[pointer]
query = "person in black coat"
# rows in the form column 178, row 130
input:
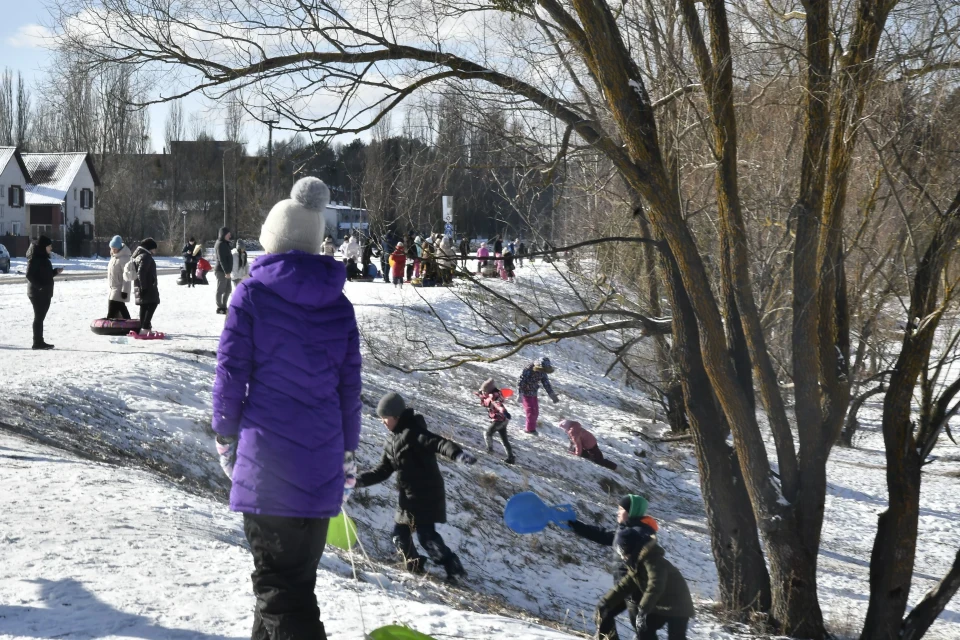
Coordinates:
column 631, row 512
column 497, row 246
column 190, row 261
column 412, row 256
column 521, row 254
column 369, row 251
column 40, row 275
column 464, row 252
column 411, row 451
column 224, row 254
column 146, row 289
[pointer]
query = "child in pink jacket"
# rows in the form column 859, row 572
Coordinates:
column 583, row 444
column 492, row 400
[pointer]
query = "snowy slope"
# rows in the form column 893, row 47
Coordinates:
column 147, row 404
column 91, row 551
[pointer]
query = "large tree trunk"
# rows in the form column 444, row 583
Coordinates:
column 741, row 570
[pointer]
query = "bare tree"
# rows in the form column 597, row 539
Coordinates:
column 591, row 68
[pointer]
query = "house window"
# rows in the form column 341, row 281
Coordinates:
column 86, row 199
column 3, row 228
column 16, row 228
column 87, row 230
column 74, row 193
column 37, row 230
column 15, row 196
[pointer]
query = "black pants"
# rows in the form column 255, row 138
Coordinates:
column 385, row 268
column 410, row 269
column 500, row 429
column 117, row 310
column 607, row 620
column 286, row 554
column 191, row 278
column 676, row 627
column 430, row 540
column 40, row 307
column 224, row 287
column 146, row 315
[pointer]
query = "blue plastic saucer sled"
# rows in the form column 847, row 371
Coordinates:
column 527, row 513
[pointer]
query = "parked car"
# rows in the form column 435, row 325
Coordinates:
column 4, row 259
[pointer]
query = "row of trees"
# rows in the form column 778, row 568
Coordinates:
column 787, row 175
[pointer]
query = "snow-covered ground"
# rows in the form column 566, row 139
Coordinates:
column 146, row 404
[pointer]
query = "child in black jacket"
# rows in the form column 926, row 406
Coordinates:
column 411, row 451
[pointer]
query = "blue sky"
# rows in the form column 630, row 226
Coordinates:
column 23, row 49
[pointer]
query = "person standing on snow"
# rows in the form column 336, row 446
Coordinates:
column 142, row 270
column 497, row 246
column 241, row 264
column 411, row 451
column 40, row 275
column 352, row 250
column 521, row 254
column 388, row 244
column 286, row 409
column 118, row 287
column 482, row 254
column 412, row 257
column 535, row 374
column 224, row 268
column 464, row 252
column 329, row 247
column 397, row 260
column 190, row 258
column 662, row 596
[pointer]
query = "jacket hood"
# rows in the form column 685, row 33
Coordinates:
column 124, row 252
column 301, row 278
column 140, row 251
column 571, row 426
column 222, row 234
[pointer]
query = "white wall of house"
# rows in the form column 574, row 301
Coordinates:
column 12, row 218
column 83, row 180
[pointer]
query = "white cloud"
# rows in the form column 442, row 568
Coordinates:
column 30, row 36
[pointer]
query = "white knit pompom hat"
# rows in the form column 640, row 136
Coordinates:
column 297, row 224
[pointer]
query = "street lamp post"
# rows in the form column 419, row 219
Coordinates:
column 184, row 212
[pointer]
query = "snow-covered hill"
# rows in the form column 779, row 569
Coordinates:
column 147, row 404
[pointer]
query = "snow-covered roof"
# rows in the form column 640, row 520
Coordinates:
column 52, row 175
column 10, row 153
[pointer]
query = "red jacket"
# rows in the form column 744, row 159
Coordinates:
column 580, row 438
column 398, row 260
column 494, row 404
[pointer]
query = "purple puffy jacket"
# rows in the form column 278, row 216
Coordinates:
column 288, row 384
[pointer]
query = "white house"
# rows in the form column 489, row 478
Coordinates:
column 14, row 180
column 62, row 189
column 343, row 220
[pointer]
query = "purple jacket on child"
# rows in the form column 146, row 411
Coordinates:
column 288, row 384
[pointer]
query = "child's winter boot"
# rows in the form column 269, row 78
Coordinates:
column 454, row 567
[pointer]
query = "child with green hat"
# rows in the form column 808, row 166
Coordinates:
column 631, row 512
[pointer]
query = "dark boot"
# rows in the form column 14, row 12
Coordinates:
column 454, row 567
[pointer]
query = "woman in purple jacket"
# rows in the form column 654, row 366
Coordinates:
column 286, row 410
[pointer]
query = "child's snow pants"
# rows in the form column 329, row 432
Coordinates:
column 286, row 553
column 432, row 543
column 500, row 429
column 531, row 407
column 595, row 456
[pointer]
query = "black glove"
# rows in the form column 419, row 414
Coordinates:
column 124, row 295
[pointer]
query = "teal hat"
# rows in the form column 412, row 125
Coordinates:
column 634, row 505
